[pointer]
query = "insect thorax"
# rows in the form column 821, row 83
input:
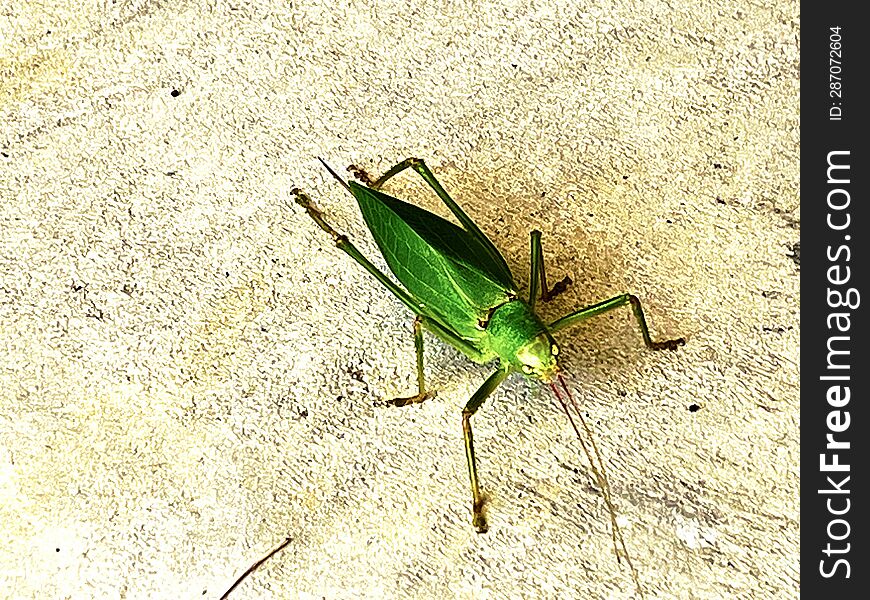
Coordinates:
column 520, row 338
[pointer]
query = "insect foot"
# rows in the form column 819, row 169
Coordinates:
column 305, row 202
column 479, row 518
column 638, row 313
column 668, row 344
column 361, row 175
column 558, row 288
column 417, row 399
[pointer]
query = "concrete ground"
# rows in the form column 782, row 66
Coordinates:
column 190, row 372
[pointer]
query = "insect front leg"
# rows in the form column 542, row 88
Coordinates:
column 621, row 300
column 422, row 393
column 539, row 274
column 478, row 516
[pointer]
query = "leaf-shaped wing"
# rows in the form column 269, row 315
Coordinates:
column 442, row 265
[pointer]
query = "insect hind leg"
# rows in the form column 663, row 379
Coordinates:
column 418, row 165
column 364, row 177
column 428, row 176
column 412, row 163
column 347, row 246
column 341, row 241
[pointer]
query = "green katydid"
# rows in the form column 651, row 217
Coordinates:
column 461, row 289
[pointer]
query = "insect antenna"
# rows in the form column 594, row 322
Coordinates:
column 590, row 449
column 334, row 174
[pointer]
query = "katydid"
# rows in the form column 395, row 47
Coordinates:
column 460, row 288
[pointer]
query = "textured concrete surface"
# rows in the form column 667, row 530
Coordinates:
column 189, row 370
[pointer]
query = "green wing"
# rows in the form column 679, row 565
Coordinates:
column 446, row 268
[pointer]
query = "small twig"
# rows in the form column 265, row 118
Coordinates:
column 255, row 566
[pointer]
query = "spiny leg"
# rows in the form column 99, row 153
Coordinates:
column 408, row 162
column 539, row 274
column 479, row 397
column 420, row 167
column 422, row 394
column 621, row 300
column 347, row 246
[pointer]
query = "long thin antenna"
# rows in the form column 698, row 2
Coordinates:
column 334, row 174
column 600, row 476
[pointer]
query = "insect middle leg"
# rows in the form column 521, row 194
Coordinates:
column 539, row 274
column 422, row 394
column 621, row 300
